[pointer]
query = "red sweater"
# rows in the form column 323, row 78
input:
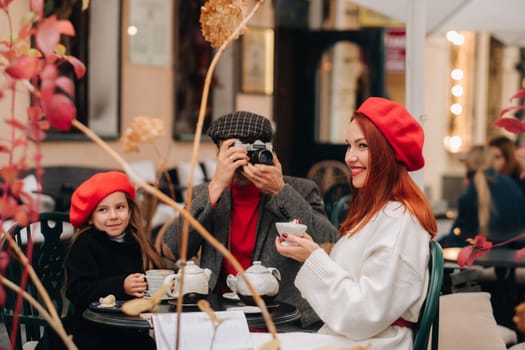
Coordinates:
column 243, row 225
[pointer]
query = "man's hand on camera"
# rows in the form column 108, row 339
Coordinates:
column 267, row 178
column 229, row 159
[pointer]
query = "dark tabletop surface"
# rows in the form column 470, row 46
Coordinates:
column 500, row 257
column 281, row 313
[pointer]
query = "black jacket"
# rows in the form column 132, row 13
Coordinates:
column 97, row 266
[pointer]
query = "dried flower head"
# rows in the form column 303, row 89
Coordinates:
column 220, row 18
column 141, row 130
column 204, row 306
column 519, row 317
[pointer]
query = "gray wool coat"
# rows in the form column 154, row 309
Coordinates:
column 298, row 199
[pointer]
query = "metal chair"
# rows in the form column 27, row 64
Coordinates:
column 49, row 250
column 326, row 173
column 429, row 316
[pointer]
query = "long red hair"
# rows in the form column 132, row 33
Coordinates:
column 387, row 180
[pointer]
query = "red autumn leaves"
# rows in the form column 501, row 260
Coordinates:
column 55, row 93
column 513, row 125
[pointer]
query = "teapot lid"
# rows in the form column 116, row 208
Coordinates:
column 192, row 268
column 257, row 267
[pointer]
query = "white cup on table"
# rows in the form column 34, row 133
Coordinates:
column 155, row 279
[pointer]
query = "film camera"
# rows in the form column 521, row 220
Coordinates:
column 259, row 152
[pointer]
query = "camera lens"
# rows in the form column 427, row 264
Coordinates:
column 262, row 156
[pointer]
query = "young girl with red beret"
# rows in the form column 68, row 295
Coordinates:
column 109, row 255
column 369, row 290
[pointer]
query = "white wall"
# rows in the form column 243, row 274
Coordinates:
column 436, row 109
column 145, row 91
column 439, row 162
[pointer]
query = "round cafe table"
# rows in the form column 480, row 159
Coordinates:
column 496, row 257
column 281, row 314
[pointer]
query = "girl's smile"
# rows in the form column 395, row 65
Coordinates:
column 112, row 214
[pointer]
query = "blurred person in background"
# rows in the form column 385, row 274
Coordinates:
column 504, row 160
column 491, row 205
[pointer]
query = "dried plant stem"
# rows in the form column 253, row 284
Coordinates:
column 196, row 144
column 185, row 214
column 215, row 326
column 202, row 111
column 55, row 324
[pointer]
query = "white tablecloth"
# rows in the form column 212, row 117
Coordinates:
column 303, row 341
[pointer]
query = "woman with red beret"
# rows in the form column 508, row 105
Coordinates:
column 109, row 255
column 370, row 289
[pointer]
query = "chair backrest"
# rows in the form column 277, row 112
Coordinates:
column 59, row 182
column 50, row 237
column 326, row 173
column 179, row 177
column 340, row 210
column 429, row 316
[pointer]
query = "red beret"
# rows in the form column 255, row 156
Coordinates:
column 87, row 196
column 400, row 129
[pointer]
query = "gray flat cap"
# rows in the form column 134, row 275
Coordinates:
column 243, row 125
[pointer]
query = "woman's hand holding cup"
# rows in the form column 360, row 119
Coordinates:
column 293, row 228
column 299, row 248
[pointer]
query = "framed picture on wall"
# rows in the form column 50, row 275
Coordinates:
column 257, row 61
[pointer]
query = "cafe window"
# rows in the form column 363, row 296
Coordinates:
column 193, row 55
column 342, row 83
column 97, row 45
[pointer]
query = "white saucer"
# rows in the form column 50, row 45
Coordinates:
column 245, row 309
column 231, row 296
column 166, row 297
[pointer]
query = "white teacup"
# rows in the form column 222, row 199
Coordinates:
column 155, row 279
column 290, row 228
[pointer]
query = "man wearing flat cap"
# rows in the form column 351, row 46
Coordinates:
column 247, row 195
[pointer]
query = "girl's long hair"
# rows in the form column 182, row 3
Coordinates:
column 387, row 180
column 150, row 258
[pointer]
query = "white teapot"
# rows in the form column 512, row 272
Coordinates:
column 196, row 280
column 265, row 280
